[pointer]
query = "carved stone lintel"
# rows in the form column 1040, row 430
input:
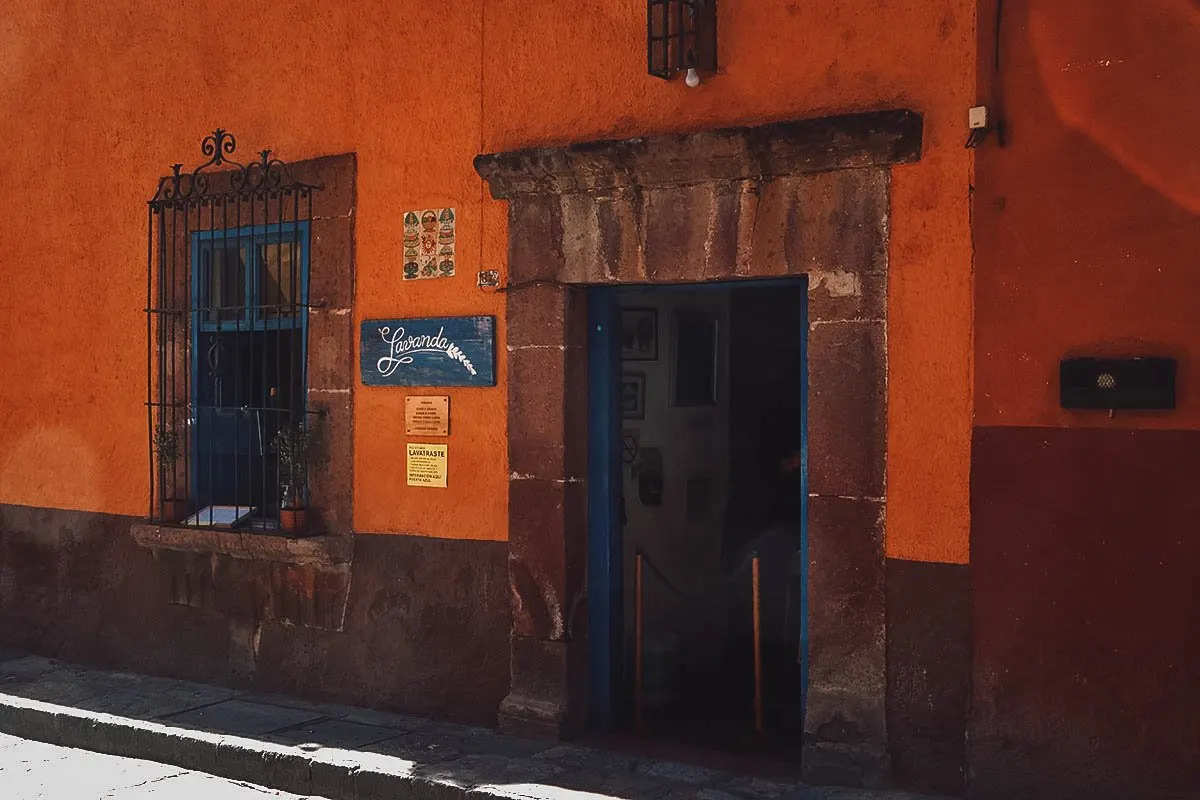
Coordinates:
column 874, row 139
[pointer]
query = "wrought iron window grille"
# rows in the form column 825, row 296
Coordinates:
column 681, row 35
column 227, row 255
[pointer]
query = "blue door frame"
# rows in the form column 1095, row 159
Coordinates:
column 605, row 566
column 605, row 539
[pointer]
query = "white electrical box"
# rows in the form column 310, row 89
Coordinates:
column 977, row 118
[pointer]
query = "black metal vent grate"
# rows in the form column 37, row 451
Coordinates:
column 681, row 35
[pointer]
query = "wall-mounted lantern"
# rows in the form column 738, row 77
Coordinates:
column 681, row 36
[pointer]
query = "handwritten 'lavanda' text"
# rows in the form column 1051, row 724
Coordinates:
column 401, row 349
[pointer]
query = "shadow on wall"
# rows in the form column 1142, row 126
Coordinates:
column 1120, row 73
column 1081, row 222
column 1082, row 527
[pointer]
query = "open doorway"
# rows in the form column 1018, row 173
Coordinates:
column 697, row 407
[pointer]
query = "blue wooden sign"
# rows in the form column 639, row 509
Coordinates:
column 438, row 351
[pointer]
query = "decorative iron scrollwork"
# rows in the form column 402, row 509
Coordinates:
column 249, row 180
column 217, row 145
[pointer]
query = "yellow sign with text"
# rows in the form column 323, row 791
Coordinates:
column 427, row 465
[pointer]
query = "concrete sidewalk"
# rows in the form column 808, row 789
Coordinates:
column 32, row 770
column 339, row 752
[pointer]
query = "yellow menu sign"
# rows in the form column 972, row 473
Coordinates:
column 427, row 465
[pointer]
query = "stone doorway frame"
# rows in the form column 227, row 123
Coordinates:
column 788, row 199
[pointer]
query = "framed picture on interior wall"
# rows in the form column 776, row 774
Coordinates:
column 633, row 396
column 639, row 334
column 694, row 368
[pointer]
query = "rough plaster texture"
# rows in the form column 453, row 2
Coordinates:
column 495, row 75
column 1082, row 228
column 1084, row 614
column 1082, row 526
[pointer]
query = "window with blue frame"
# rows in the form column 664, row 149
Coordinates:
column 230, row 426
column 248, row 363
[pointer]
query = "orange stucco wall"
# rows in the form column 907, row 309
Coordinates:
column 1085, row 223
column 95, row 101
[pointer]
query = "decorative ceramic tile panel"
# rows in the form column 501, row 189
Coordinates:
column 429, row 243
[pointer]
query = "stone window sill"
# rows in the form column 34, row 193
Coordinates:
column 315, row 551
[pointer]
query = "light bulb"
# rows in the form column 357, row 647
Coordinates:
column 693, row 78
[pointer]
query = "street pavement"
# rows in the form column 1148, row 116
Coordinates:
column 314, row 748
column 32, row 770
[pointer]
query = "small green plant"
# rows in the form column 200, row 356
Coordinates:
column 293, row 444
column 166, row 444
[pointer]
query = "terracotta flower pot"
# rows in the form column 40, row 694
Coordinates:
column 173, row 510
column 293, row 519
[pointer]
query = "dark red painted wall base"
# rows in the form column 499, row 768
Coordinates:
column 928, row 673
column 1075, row 632
column 417, row 615
column 1085, row 554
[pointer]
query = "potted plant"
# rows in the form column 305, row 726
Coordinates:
column 166, row 445
column 293, row 444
